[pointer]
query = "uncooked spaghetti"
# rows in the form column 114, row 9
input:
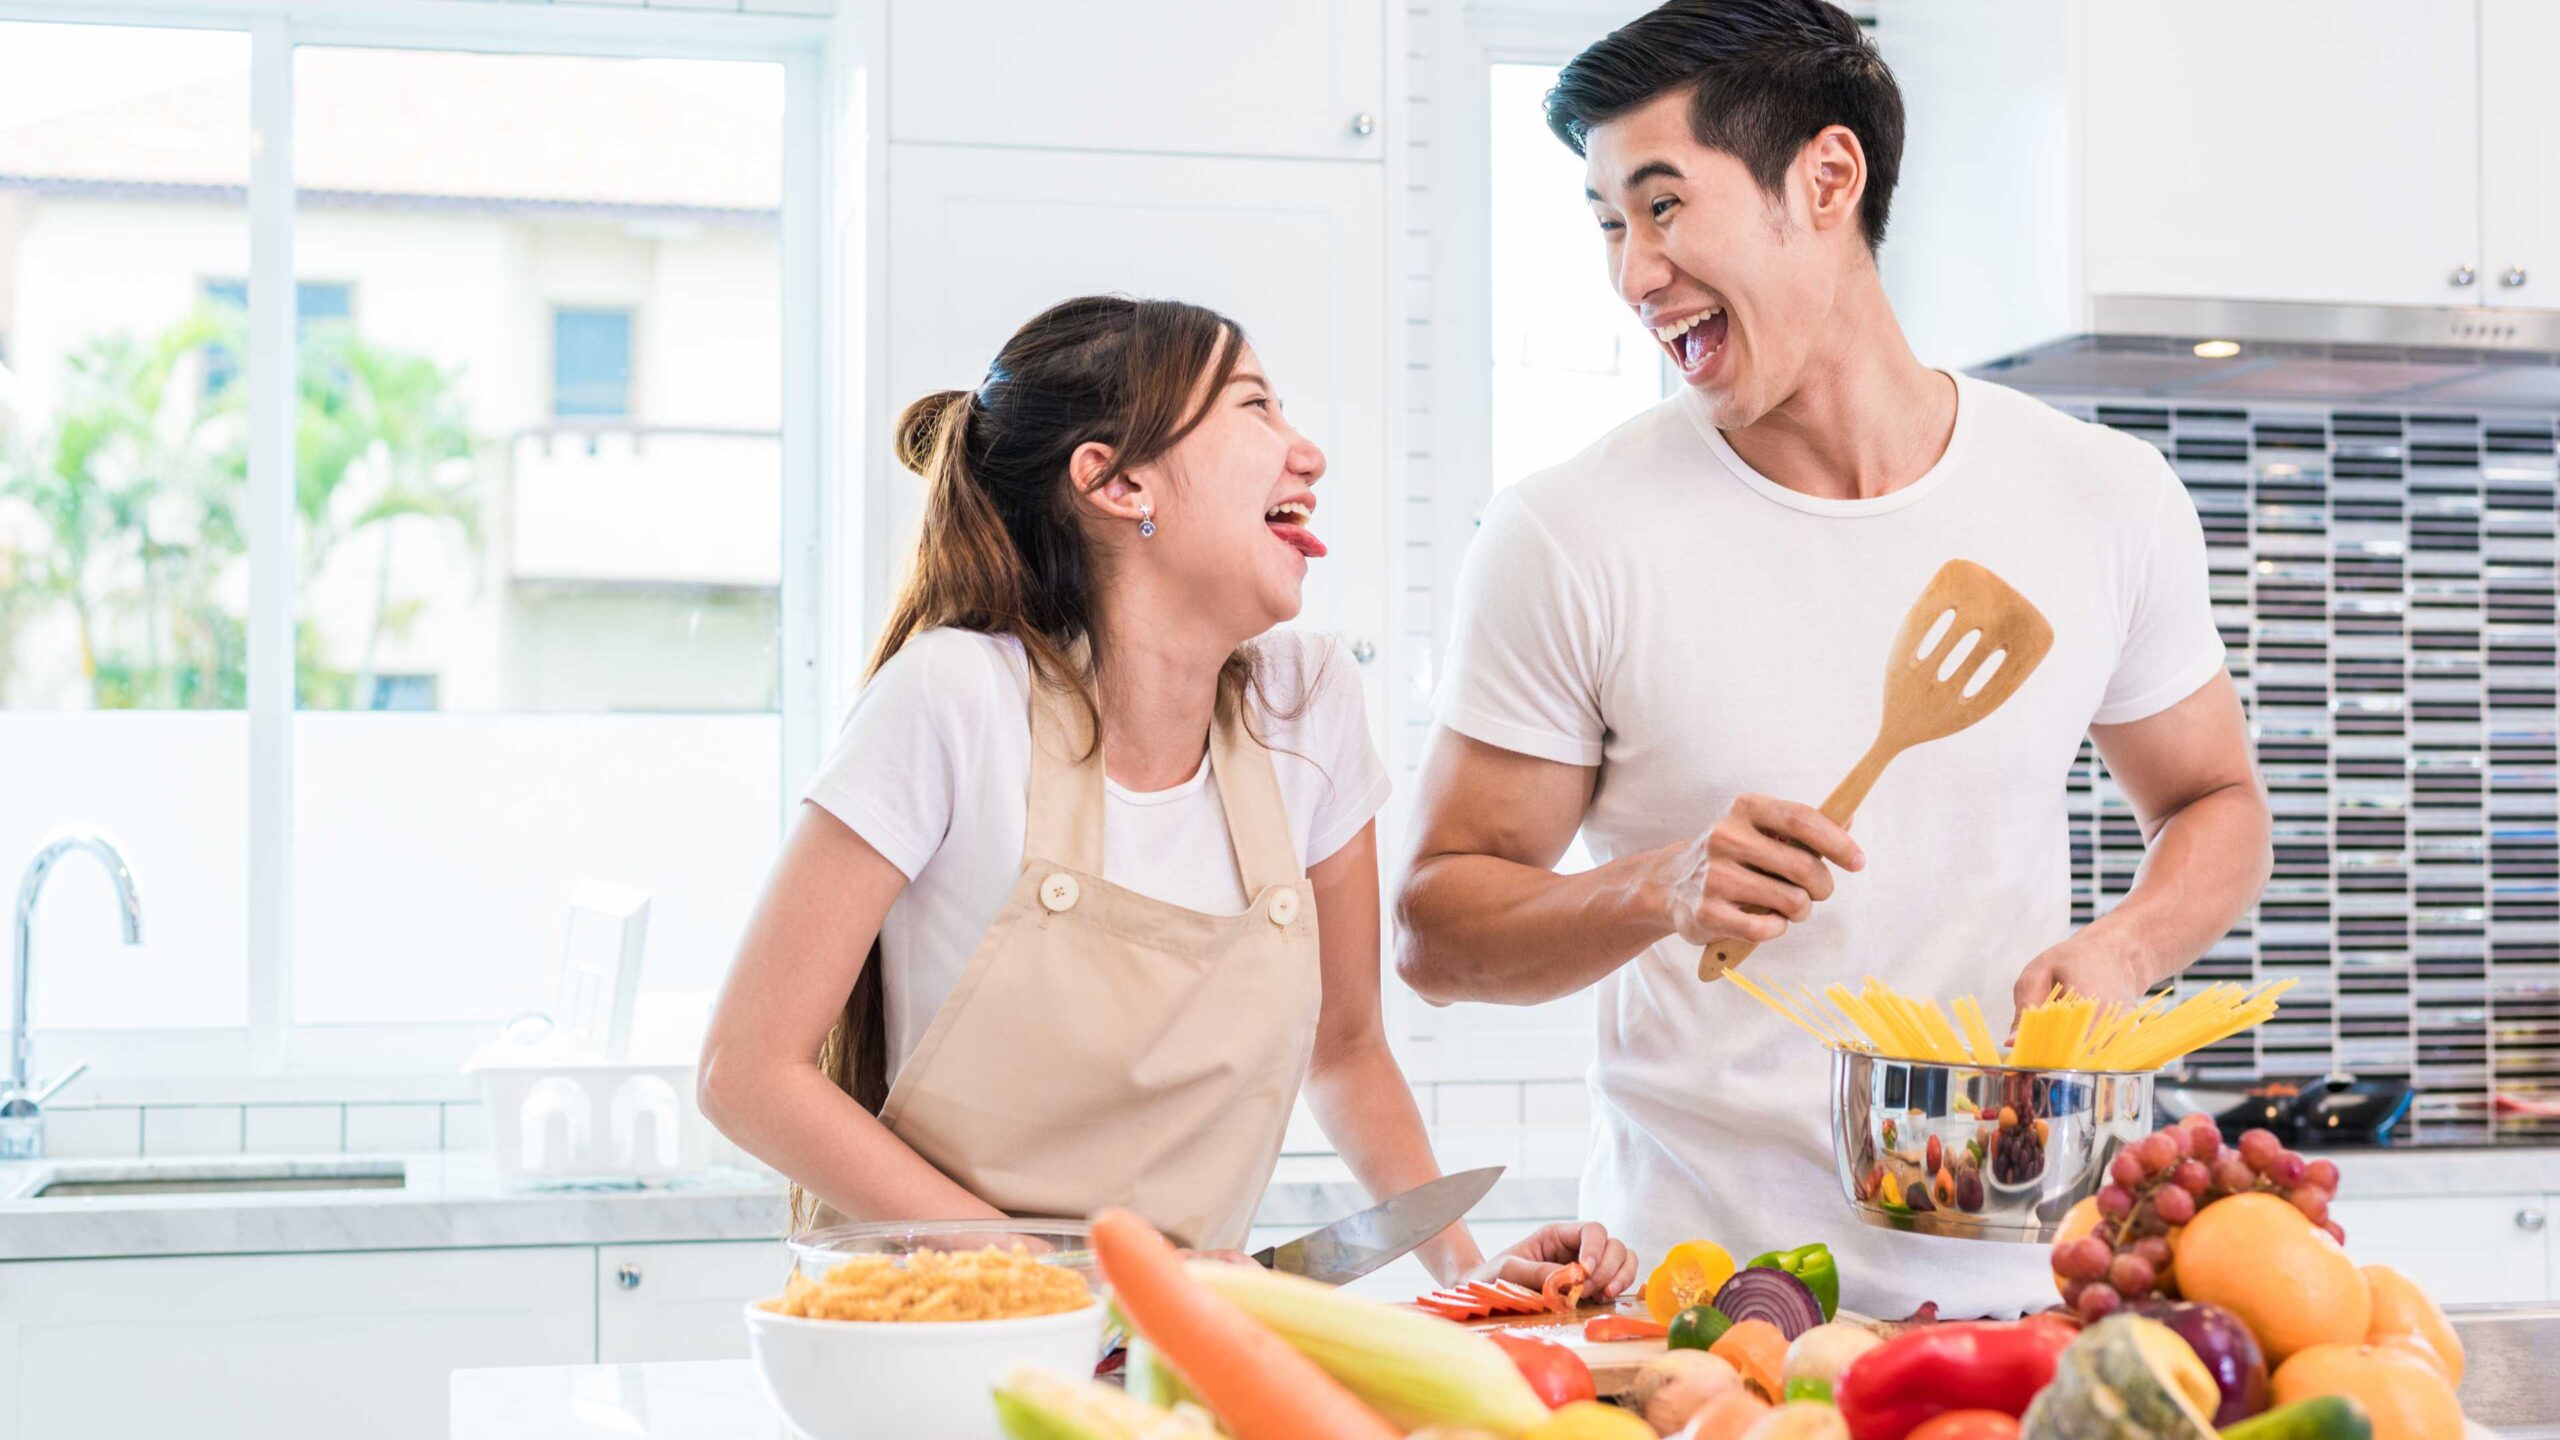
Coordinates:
column 2066, row 1031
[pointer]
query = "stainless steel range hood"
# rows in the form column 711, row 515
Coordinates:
column 2208, row 352
column 2245, row 320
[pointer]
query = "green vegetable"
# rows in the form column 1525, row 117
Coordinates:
column 1150, row 1379
column 1034, row 1404
column 1698, row 1328
column 1807, row 1387
column 2126, row 1378
column 2324, row 1417
column 1811, row 1264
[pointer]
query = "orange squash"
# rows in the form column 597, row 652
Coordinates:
column 2257, row 1257
column 2407, row 1396
column 2402, row 1310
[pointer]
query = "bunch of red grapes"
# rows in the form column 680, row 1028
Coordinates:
column 2159, row 1183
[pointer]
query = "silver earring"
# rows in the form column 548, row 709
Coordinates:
column 1146, row 520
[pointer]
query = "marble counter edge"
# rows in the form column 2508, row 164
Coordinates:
column 460, row 1206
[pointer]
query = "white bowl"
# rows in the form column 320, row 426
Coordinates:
column 913, row 1379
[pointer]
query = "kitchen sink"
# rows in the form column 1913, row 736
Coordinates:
column 79, row 1181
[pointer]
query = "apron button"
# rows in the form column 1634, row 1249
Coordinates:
column 1058, row 894
column 1284, row 906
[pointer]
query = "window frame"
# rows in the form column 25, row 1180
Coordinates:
column 271, row 1057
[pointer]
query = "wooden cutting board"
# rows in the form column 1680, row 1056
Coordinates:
column 1613, row 1363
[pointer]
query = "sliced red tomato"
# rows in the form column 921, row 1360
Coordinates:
column 1555, row 1373
column 1605, row 1328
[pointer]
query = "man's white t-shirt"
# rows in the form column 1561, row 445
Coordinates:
column 1658, row 609
column 933, row 769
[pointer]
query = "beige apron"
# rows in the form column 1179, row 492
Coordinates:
column 1104, row 1048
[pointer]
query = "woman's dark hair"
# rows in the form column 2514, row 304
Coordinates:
column 1765, row 77
column 1003, row 550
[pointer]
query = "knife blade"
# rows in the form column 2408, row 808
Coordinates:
column 1355, row 1245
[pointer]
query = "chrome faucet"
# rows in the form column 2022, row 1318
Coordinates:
column 21, row 1103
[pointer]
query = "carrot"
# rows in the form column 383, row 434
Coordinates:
column 1759, row 1350
column 1261, row 1387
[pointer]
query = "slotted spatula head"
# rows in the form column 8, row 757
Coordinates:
column 2002, row 639
column 1984, row 637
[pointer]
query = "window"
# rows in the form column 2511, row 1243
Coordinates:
column 591, row 363
column 315, row 306
column 123, row 568
column 532, row 638
column 1569, row 361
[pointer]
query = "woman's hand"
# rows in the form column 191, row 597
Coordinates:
column 1608, row 1262
column 1223, row 1257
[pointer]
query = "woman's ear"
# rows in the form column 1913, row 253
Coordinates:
column 1124, row 497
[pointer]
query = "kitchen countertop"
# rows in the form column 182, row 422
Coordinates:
column 448, row 1201
column 2511, row 1390
column 454, row 1201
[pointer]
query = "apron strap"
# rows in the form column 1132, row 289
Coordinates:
column 1065, row 823
column 1257, row 823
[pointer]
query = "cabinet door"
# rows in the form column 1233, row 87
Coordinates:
column 681, row 1302
column 2461, row 1249
column 2520, row 153
column 1156, row 75
column 258, row 1346
column 2312, row 150
column 982, row 240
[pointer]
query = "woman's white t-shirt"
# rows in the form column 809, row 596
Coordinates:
column 933, row 768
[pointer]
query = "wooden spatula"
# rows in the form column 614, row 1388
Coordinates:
column 1968, row 644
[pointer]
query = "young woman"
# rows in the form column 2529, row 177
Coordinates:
column 1045, row 935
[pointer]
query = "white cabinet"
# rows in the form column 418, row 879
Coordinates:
column 2520, row 155
column 2306, row 150
column 1295, row 79
column 681, row 1301
column 260, row 1346
column 2461, row 1249
column 980, row 240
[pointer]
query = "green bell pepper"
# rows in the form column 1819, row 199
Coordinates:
column 1811, row 1264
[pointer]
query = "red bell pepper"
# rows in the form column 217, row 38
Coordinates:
column 1983, row 1365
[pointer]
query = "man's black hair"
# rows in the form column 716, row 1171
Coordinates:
column 1766, row 76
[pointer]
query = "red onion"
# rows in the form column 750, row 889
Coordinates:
column 1761, row 1293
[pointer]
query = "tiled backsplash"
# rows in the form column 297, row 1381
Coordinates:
column 1538, row 1128
column 2380, row 530
column 76, row 1132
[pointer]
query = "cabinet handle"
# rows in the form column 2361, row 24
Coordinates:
column 2530, row 1220
column 627, row 1276
column 1364, row 124
column 2463, row 275
column 1363, row 651
column 2514, row 278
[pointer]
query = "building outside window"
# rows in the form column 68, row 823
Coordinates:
column 590, row 363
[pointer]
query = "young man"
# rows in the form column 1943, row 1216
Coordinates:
column 1674, row 642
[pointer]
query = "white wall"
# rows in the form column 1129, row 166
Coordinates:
column 1982, row 256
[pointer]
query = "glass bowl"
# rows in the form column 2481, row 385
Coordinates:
column 1064, row 1243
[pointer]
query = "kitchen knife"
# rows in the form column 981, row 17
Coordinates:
column 1357, row 1244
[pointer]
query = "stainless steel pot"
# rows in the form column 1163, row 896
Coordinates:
column 2013, row 1149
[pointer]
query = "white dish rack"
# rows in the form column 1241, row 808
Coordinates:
column 571, row 1122
column 567, row 1104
